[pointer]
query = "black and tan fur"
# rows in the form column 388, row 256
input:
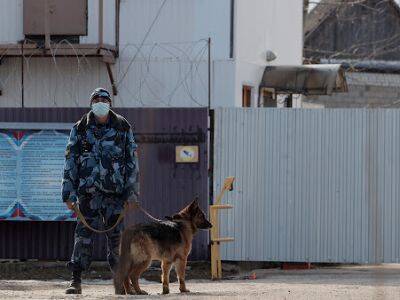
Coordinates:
column 167, row 241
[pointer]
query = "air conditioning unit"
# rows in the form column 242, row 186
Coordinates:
column 64, row 17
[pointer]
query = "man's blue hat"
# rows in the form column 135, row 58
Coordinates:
column 100, row 92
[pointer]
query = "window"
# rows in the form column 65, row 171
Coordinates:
column 246, row 96
column 268, row 98
column 289, row 101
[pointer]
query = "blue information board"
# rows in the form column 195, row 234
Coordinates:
column 31, row 167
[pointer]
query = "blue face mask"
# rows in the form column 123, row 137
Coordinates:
column 101, row 109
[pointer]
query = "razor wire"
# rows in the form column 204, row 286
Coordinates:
column 181, row 60
column 142, row 85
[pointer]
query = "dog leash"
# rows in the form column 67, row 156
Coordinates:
column 75, row 208
column 147, row 214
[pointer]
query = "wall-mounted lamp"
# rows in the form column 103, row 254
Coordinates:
column 270, row 56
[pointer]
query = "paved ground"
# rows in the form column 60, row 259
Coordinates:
column 378, row 282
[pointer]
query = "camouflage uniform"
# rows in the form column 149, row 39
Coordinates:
column 101, row 170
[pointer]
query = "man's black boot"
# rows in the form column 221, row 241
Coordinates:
column 75, row 285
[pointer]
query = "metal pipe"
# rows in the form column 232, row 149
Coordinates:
column 211, row 115
column 117, row 11
column 46, row 25
column 110, row 75
column 101, row 23
column 209, row 73
column 232, row 31
column 22, row 74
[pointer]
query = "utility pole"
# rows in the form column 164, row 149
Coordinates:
column 306, row 4
column 209, row 73
column 47, row 41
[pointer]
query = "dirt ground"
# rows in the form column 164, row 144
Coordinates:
column 351, row 282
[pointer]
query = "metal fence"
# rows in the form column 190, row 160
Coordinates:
column 166, row 186
column 311, row 185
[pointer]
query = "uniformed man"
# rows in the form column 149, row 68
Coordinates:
column 101, row 173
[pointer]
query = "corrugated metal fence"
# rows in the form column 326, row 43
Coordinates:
column 311, row 185
column 166, row 186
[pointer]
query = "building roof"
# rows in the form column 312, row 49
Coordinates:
column 368, row 66
column 306, row 79
column 353, row 29
column 318, row 14
column 327, row 7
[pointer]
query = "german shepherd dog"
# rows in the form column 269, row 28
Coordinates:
column 167, row 241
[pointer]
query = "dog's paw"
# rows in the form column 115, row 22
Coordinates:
column 120, row 292
column 184, row 290
column 165, row 290
column 141, row 292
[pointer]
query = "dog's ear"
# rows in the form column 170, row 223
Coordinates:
column 194, row 205
column 195, row 202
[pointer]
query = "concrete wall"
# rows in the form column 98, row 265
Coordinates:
column 269, row 25
column 171, row 67
column 366, row 90
column 175, row 71
column 179, row 21
column 274, row 25
column 11, row 21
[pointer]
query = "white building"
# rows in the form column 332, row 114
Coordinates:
column 162, row 50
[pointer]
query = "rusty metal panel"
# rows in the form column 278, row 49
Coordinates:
column 66, row 17
column 165, row 186
column 42, row 240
